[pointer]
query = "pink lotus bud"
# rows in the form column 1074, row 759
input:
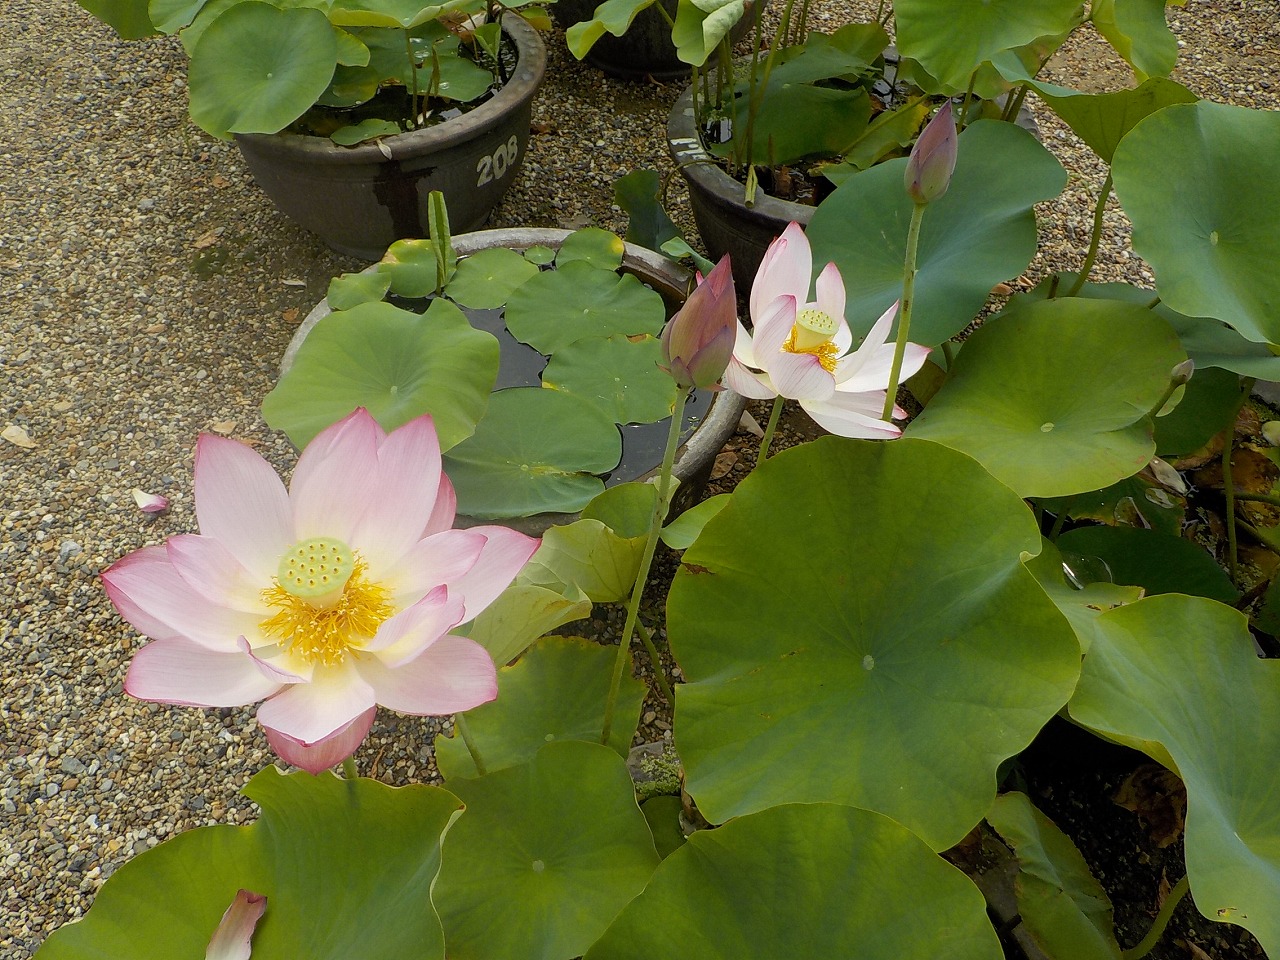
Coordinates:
column 697, row 342
column 150, row 502
column 933, row 159
column 231, row 939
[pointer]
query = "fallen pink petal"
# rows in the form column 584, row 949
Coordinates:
column 233, row 938
column 150, row 502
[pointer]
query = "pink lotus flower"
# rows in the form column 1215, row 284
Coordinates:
column 800, row 348
column 323, row 601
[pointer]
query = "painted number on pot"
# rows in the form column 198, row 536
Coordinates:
column 687, row 149
column 495, row 167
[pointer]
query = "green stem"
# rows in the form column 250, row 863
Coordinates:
column 1160, row 923
column 1099, row 209
column 904, row 314
column 1228, row 485
column 464, row 731
column 1259, row 498
column 659, row 677
column 1153, row 304
column 1061, row 519
column 949, row 352
column 413, row 81
column 968, row 100
column 349, row 769
column 1164, row 398
column 774, row 415
column 646, row 561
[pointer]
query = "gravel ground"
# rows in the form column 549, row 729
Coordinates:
column 149, row 291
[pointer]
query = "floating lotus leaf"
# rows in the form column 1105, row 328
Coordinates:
column 556, row 691
column 1181, row 672
column 619, row 374
column 1063, row 907
column 396, row 364
column 257, row 68
column 536, row 450
column 1206, row 223
column 837, row 648
column 168, row 901
column 369, row 129
column 805, row 882
column 545, row 857
column 981, row 232
column 1052, row 397
column 579, row 300
column 487, row 278
column 600, row 248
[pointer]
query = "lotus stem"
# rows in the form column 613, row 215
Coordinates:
column 948, row 352
column 904, row 314
column 1259, row 498
column 1060, row 520
column 774, row 415
column 464, row 731
column 413, row 81
column 1228, row 485
column 968, row 100
column 1160, row 923
column 349, row 771
column 660, row 678
column 646, row 561
column 1099, row 209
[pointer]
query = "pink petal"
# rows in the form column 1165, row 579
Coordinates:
column 149, row 502
column 231, row 941
column 848, row 420
column 208, row 568
column 407, row 481
column 874, row 374
column 871, row 351
column 747, row 383
column 445, row 510
column 441, row 558
column 411, row 631
column 451, row 675
column 148, row 591
column 242, row 503
column 799, row 376
column 504, row 553
column 175, row 671
column 311, row 712
column 323, row 754
column 743, row 348
column 335, row 480
column 278, row 666
column 830, row 292
column 785, row 270
column 772, row 330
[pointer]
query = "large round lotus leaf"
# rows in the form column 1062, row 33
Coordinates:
column 981, row 232
column 1138, row 32
column 856, row 626
column 396, row 364
column 1181, row 672
column 1052, row 397
column 257, row 68
column 129, row 18
column 579, row 300
column 805, row 882
column 952, row 38
column 487, row 278
column 545, row 856
column 1201, row 183
column 535, row 451
column 591, row 556
column 167, row 902
column 170, row 16
column 1102, row 119
column 556, row 691
column 619, row 374
column 1062, row 905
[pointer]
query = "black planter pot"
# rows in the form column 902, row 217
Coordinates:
column 360, row 199
column 697, row 452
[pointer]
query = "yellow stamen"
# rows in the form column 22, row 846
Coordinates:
column 323, row 633
column 812, row 334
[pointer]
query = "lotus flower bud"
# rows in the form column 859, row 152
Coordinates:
column 697, row 342
column 1183, row 371
column 933, row 159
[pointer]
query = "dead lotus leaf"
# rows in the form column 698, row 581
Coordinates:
column 291, row 315
column 18, row 436
column 220, row 182
column 724, row 463
column 155, row 328
column 1158, row 796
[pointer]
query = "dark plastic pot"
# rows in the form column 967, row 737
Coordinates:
column 360, row 199
column 697, row 452
column 645, row 51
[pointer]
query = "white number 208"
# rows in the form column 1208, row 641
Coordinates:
column 503, row 159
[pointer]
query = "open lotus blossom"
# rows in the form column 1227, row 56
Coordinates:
column 800, row 349
column 325, row 600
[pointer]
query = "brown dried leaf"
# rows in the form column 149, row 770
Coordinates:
column 1251, row 472
column 1001, row 290
column 1158, row 796
column 223, row 427
column 18, row 436
column 208, row 239
column 724, row 463
column 543, row 126
column 220, row 182
column 291, row 315
column 155, row 328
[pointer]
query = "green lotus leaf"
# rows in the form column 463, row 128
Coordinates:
column 590, row 556
column 681, row 532
column 387, row 13
column 1062, row 905
column 1102, row 119
column 1154, row 561
column 1181, row 672
column 627, row 509
column 612, row 16
column 1208, row 404
column 369, row 129
column 522, row 614
column 209, row 12
column 618, row 373
column 1135, row 501
column 352, row 51
column 168, row 901
column 1138, row 32
column 546, row 855
column 638, row 193
column 457, row 78
column 846, row 54
column 1053, row 397
column 487, row 278
column 396, row 364
column 830, row 881
column 129, row 18
column 1206, row 224
column 1084, row 599
column 818, row 672
column 952, row 38
column 536, row 451
column 170, row 16
column 579, row 300
column 663, row 814
column 258, row 68
column 890, row 131
column 556, row 691
column 800, row 120
column 700, row 25
column 352, row 289
column 540, row 255
column 351, row 86
column 981, row 232
column 595, row 246
column 412, row 267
